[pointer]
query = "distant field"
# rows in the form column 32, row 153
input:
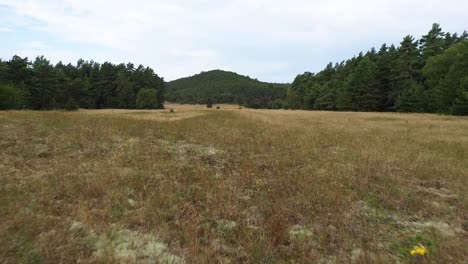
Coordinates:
column 232, row 186
column 182, row 112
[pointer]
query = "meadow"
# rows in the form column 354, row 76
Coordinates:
column 232, row 185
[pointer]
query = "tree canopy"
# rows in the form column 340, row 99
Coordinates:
column 39, row 85
column 426, row 75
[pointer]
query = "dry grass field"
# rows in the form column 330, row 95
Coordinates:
column 232, row 186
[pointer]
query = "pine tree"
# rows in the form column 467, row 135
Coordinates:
column 297, row 91
column 18, row 71
column 364, row 86
column 460, row 104
column 311, row 95
column 71, row 105
column 407, row 61
column 415, row 99
column 344, row 99
column 383, row 78
column 43, row 90
column 3, row 71
column 433, row 43
column 125, row 93
column 447, row 77
column 327, row 99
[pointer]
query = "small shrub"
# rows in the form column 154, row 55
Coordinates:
column 209, row 103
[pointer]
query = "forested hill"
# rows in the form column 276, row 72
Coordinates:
column 425, row 75
column 225, row 87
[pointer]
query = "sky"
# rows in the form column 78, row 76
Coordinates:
column 266, row 39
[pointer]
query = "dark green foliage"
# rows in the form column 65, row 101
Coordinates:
column 147, row 99
column 278, row 104
column 365, row 85
column 82, row 92
column 294, row 99
column 326, row 101
column 414, row 99
column 297, row 91
column 43, row 89
column 385, row 62
column 11, row 97
column 406, row 67
column 224, row 87
column 17, row 71
column 435, row 42
column 447, row 74
column 427, row 75
column 125, row 91
column 71, row 105
column 460, row 105
column 89, row 84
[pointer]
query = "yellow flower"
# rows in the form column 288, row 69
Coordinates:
column 259, row 184
column 419, row 250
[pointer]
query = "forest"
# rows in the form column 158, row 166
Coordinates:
column 40, row 85
column 426, row 75
column 429, row 75
column 225, row 87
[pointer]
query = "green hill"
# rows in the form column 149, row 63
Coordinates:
column 224, row 87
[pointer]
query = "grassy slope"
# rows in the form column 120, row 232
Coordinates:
column 233, row 185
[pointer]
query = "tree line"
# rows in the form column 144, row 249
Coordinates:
column 426, row 75
column 40, row 85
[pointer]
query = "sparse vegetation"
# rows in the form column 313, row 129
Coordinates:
column 252, row 186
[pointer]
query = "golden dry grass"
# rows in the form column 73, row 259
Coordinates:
column 180, row 112
column 232, row 185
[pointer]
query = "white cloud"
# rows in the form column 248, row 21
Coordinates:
column 35, row 44
column 5, row 30
column 179, row 37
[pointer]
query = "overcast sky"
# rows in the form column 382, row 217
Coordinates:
column 266, row 39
